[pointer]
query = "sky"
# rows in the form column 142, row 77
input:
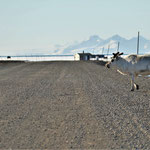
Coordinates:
column 30, row 26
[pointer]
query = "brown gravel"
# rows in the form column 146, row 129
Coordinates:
column 71, row 105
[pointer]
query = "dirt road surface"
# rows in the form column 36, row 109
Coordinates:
column 71, row 105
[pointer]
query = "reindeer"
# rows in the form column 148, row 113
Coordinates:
column 132, row 65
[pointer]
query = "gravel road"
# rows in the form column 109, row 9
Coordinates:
column 71, row 105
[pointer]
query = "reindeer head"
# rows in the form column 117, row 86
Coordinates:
column 114, row 59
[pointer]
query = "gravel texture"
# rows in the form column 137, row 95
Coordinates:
column 71, row 105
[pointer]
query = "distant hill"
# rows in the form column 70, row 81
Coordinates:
column 95, row 44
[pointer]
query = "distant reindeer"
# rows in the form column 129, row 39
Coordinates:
column 132, row 65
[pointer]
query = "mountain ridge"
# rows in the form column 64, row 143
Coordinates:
column 95, row 44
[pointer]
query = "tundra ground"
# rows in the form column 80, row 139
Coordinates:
column 71, row 105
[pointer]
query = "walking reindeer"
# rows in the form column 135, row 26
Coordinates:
column 132, row 65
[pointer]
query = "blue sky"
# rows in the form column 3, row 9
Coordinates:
column 36, row 25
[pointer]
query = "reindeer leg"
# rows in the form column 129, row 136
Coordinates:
column 136, row 86
column 132, row 82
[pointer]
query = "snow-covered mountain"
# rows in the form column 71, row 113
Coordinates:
column 95, row 45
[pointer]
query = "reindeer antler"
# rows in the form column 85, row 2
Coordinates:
column 120, row 53
column 116, row 54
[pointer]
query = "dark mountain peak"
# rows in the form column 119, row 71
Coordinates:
column 95, row 38
column 117, row 37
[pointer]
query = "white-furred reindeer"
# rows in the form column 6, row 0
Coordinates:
column 132, row 65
